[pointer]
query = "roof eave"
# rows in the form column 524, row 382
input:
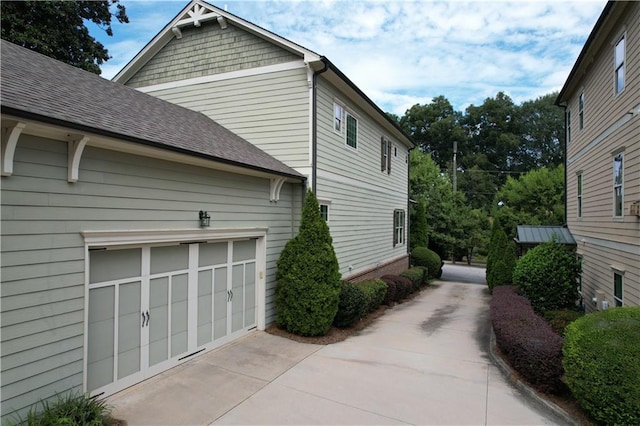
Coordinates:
column 17, row 113
column 561, row 99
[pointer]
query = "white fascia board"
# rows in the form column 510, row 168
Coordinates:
column 183, row 18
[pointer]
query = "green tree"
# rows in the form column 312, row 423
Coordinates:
column 542, row 130
column 434, row 127
column 535, row 198
column 57, row 29
column 308, row 276
column 418, row 232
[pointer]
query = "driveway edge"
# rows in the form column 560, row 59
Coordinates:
column 524, row 387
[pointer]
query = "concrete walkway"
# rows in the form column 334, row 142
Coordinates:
column 423, row 362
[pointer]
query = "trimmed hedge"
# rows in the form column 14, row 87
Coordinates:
column 391, row 295
column 422, row 256
column 547, row 275
column 560, row 319
column 352, row 305
column 403, row 286
column 528, row 342
column 374, row 291
column 602, row 363
column 418, row 276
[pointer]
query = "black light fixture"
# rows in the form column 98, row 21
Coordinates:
column 204, row 218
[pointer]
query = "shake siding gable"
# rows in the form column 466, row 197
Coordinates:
column 270, row 110
column 43, row 252
column 209, row 50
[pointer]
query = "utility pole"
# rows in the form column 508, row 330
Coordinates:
column 455, row 166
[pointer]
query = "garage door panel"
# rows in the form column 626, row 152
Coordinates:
column 250, row 295
column 100, row 350
column 220, row 303
column 210, row 254
column 109, row 265
column 179, row 314
column 205, row 307
column 169, row 259
column 244, row 250
column 129, row 326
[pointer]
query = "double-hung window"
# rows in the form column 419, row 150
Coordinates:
column 617, row 288
column 581, row 110
column 338, row 118
column 580, row 195
column 618, row 184
column 385, row 155
column 352, row 131
column 398, row 227
column 619, row 64
column 324, row 212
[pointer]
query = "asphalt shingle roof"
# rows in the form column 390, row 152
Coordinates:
column 529, row 234
column 36, row 86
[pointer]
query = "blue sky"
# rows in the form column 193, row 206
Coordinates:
column 405, row 52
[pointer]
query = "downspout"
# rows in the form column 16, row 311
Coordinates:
column 314, row 130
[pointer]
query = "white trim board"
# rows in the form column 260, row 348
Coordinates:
column 268, row 69
column 613, row 245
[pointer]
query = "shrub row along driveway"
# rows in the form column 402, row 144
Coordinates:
column 423, row 362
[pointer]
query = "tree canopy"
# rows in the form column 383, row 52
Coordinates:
column 57, row 29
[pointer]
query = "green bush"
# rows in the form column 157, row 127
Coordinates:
column 422, row 256
column 418, row 231
column 500, row 274
column 308, row 289
column 352, row 305
column 70, row 409
column 547, row 276
column 602, row 364
column 374, row 291
column 501, row 260
column 418, row 276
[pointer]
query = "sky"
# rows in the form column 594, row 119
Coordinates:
column 402, row 53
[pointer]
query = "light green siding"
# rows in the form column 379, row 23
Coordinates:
column 363, row 198
column 43, row 257
column 208, row 50
column 269, row 110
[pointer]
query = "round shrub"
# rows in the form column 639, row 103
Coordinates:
column 546, row 275
column 390, row 296
column 308, row 276
column 602, row 364
column 352, row 305
column 417, row 275
column 402, row 286
column 422, row 256
column 374, row 291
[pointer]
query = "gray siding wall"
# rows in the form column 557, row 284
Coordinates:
column 269, row 110
column 42, row 304
column 209, row 50
column 607, row 242
column 363, row 198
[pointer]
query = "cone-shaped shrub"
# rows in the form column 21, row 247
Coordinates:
column 308, row 276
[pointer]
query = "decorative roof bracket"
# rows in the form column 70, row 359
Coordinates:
column 275, row 187
column 197, row 15
column 10, row 135
column 76, row 146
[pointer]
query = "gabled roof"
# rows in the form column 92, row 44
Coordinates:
column 529, row 234
column 37, row 87
column 198, row 11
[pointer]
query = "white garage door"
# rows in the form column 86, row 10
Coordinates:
column 151, row 307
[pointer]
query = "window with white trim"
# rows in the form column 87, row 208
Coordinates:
column 568, row 127
column 619, row 57
column 581, row 110
column 580, row 195
column 324, row 212
column 352, row 131
column 398, row 227
column 618, row 185
column 338, row 118
column 385, row 155
column 618, row 284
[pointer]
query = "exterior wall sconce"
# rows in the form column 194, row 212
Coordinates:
column 204, row 219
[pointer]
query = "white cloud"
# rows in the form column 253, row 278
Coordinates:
column 404, row 52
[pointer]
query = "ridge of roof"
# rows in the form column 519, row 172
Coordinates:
column 36, row 86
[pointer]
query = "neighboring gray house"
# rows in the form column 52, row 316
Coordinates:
column 601, row 98
column 299, row 107
column 108, row 276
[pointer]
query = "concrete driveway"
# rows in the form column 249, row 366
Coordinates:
column 423, row 362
